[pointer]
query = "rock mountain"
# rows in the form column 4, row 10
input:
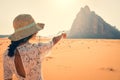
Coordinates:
column 88, row 24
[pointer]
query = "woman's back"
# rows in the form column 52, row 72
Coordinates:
column 31, row 55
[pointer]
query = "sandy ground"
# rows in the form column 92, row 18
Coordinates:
column 80, row 59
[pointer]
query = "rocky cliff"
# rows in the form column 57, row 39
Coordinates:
column 88, row 24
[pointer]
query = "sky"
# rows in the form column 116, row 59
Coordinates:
column 58, row 15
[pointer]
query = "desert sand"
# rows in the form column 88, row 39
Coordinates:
column 79, row 59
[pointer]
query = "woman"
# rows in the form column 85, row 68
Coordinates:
column 23, row 58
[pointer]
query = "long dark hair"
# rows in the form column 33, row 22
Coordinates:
column 15, row 44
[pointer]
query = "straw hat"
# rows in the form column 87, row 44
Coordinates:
column 24, row 26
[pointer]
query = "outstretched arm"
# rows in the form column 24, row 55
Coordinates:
column 44, row 47
column 58, row 38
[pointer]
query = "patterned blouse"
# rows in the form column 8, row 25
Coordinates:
column 31, row 55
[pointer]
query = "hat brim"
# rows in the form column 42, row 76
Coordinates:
column 26, row 32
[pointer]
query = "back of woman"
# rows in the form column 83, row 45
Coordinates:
column 31, row 55
column 30, row 63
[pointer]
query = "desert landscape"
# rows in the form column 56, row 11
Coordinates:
column 78, row 59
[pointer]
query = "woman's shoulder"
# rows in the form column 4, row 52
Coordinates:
column 26, row 47
column 28, row 51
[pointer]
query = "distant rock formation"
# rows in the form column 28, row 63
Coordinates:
column 88, row 24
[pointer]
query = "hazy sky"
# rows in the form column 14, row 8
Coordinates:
column 57, row 15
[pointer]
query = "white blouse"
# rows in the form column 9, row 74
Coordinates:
column 31, row 55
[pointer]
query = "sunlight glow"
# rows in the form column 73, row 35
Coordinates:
column 64, row 3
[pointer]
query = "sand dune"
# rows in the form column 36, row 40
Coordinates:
column 79, row 59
